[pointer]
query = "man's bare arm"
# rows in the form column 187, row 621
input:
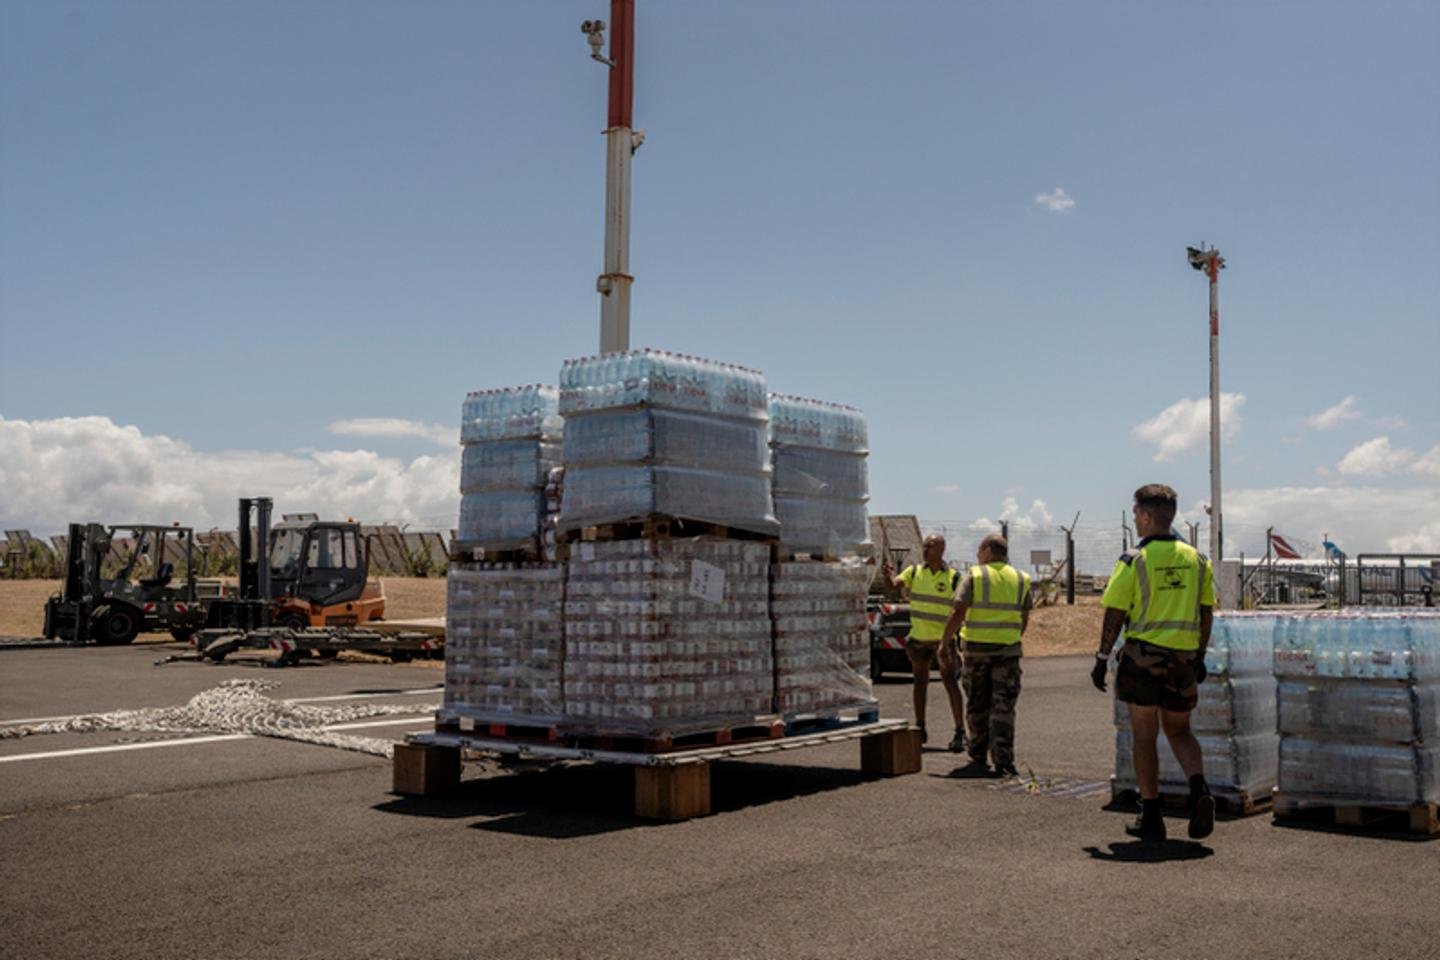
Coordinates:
column 1110, row 632
column 957, row 618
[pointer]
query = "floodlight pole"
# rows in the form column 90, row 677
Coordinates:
column 621, row 142
column 1210, row 261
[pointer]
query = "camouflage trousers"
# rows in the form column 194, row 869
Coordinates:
column 991, row 686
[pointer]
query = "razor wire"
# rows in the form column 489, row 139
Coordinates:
column 235, row 706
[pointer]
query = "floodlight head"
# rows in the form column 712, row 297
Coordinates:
column 1197, row 258
column 1200, row 259
column 594, row 31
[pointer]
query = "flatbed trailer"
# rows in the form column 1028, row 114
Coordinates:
column 323, row 643
column 670, row 785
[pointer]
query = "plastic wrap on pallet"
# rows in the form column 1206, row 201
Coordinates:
column 666, row 437
column 507, row 465
column 1357, row 706
column 1374, row 774
column 1241, row 644
column 1243, row 764
column 504, row 643
column 803, row 472
column 821, row 526
column 822, row 637
column 1382, row 711
column 502, row 517
column 1359, row 645
column 803, row 422
column 596, row 495
column 511, row 413
column 664, row 636
column 664, row 380
column 1239, row 706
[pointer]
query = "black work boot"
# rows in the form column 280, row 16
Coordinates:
column 1149, row 825
column 1202, row 808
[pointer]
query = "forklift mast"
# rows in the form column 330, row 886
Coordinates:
column 255, row 548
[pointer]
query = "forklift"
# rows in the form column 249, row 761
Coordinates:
column 114, row 608
column 304, row 572
column 304, row 590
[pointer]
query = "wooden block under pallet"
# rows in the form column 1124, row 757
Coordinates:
column 1417, row 820
column 422, row 770
column 892, row 753
column 676, row 792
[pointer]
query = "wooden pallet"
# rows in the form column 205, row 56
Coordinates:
column 526, row 550
column 831, row 718
column 760, row 728
column 661, row 528
column 668, row 786
column 500, row 729
column 1228, row 804
column 1415, row 821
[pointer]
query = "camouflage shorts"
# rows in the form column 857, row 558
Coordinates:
column 1151, row 676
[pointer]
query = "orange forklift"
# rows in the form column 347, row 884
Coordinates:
column 320, row 575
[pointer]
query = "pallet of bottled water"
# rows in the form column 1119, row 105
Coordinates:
column 1359, row 707
column 1234, row 720
column 510, row 440
column 650, row 433
column 822, row 637
column 504, row 643
column 664, row 636
column 821, row 480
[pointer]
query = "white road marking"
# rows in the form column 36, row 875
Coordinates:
column 188, row 741
column 342, row 696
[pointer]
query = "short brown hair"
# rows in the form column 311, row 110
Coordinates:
column 1159, row 499
column 999, row 549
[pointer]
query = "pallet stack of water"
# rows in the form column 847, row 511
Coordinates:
column 1234, row 719
column 818, row 453
column 650, row 433
column 510, row 440
column 1359, row 707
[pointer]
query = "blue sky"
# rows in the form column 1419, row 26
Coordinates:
column 226, row 230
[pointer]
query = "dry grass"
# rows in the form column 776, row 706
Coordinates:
column 1063, row 629
column 1053, row 630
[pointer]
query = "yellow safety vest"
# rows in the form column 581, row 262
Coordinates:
column 1162, row 585
column 997, row 609
column 932, row 595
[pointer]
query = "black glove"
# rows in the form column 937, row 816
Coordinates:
column 1200, row 672
column 1097, row 673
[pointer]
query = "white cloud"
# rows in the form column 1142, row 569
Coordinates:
column 1057, row 202
column 947, row 488
column 1375, row 458
column 53, row 472
column 1342, row 412
column 1429, row 464
column 396, row 427
column 1036, row 518
column 1358, row 519
column 1185, row 425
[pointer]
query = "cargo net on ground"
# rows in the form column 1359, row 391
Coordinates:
column 1359, row 707
column 822, row 638
column 1234, row 720
column 239, row 706
column 649, row 433
column 504, row 643
column 665, row 637
column 510, row 442
column 821, row 482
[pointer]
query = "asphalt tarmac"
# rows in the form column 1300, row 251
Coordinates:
column 144, row 847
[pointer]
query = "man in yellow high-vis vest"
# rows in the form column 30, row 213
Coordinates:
column 1162, row 593
column 991, row 612
column 930, row 588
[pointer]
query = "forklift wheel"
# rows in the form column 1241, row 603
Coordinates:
column 184, row 636
column 290, row 620
column 114, row 625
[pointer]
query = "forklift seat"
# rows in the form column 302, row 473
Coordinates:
column 161, row 579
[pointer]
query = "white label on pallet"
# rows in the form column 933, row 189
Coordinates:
column 707, row 581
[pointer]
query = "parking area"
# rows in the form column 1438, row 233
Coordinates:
column 166, row 846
